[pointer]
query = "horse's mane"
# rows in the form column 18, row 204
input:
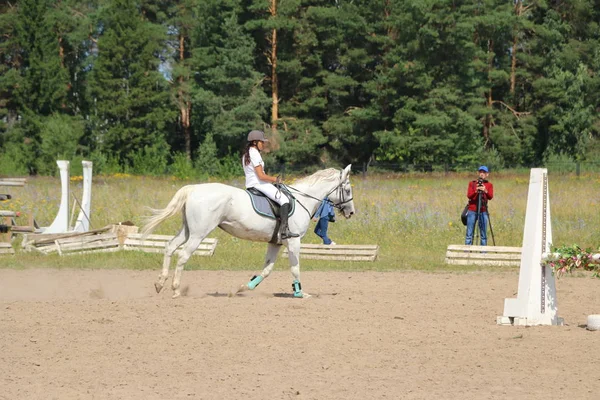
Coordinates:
column 328, row 174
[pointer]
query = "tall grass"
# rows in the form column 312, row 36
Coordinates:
column 412, row 217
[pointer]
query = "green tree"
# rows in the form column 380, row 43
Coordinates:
column 131, row 108
column 228, row 99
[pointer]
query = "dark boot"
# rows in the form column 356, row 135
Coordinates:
column 284, row 228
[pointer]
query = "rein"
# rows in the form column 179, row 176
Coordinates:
column 336, row 205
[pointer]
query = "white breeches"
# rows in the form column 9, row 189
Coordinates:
column 273, row 193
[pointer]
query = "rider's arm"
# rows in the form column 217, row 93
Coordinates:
column 489, row 190
column 472, row 190
column 260, row 173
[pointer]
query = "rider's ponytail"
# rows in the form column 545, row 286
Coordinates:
column 246, row 155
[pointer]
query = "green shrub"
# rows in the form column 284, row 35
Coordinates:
column 151, row 160
column 182, row 167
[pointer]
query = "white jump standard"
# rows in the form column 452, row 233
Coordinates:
column 536, row 302
column 61, row 221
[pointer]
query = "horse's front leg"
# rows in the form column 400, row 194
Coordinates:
column 294, row 257
column 270, row 258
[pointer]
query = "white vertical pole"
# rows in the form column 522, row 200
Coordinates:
column 536, row 302
column 61, row 222
column 83, row 220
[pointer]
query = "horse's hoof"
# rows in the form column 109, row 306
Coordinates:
column 305, row 295
column 158, row 286
column 243, row 287
column 176, row 294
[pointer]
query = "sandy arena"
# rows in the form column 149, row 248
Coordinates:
column 105, row 334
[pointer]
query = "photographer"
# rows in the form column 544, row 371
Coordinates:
column 479, row 191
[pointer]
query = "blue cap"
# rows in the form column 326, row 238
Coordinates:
column 483, row 168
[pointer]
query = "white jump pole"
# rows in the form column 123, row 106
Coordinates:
column 536, row 302
column 61, row 222
column 82, row 223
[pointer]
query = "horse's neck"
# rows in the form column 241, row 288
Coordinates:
column 318, row 191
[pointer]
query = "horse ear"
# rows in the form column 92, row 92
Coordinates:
column 346, row 172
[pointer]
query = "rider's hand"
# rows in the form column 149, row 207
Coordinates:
column 278, row 179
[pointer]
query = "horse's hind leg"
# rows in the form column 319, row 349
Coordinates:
column 184, row 255
column 170, row 248
column 270, row 258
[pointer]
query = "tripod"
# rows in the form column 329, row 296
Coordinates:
column 478, row 222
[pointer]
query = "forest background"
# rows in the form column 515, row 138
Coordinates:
column 172, row 87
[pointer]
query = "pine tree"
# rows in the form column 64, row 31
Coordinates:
column 131, row 108
column 228, row 99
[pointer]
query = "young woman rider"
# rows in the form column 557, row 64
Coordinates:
column 254, row 169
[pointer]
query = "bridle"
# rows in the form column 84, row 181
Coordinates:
column 339, row 188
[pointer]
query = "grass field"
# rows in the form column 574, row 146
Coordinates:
column 412, row 217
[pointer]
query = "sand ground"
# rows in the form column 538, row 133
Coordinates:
column 105, row 334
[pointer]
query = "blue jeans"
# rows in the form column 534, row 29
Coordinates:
column 483, row 221
column 321, row 229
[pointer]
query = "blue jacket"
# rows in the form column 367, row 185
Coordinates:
column 325, row 210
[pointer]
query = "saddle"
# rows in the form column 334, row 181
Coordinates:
column 268, row 208
column 265, row 206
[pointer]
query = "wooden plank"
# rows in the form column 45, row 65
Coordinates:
column 151, row 244
column 88, row 244
column 164, row 237
column 333, row 252
column 107, row 250
column 491, row 263
column 64, row 247
column 489, row 249
column 14, row 179
column 348, row 252
column 43, row 249
column 22, row 229
column 198, row 252
column 11, row 182
column 6, row 248
column 49, row 238
column 86, row 239
column 484, row 256
column 339, row 246
column 80, row 247
column 6, row 213
column 337, row 258
column 157, row 243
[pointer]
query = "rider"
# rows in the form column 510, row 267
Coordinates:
column 257, row 178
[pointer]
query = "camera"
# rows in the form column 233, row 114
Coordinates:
column 480, row 183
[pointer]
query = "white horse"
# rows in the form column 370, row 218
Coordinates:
column 210, row 205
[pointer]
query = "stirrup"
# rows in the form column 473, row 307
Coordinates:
column 288, row 234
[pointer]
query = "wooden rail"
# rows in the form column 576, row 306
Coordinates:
column 156, row 244
column 6, row 248
column 338, row 252
column 107, row 242
column 13, row 181
column 483, row 255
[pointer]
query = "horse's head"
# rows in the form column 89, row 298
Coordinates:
column 341, row 197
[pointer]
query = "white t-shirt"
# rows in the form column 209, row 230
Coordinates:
column 255, row 160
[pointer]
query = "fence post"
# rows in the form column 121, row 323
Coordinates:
column 577, row 168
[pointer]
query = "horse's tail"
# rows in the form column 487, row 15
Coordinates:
column 176, row 204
